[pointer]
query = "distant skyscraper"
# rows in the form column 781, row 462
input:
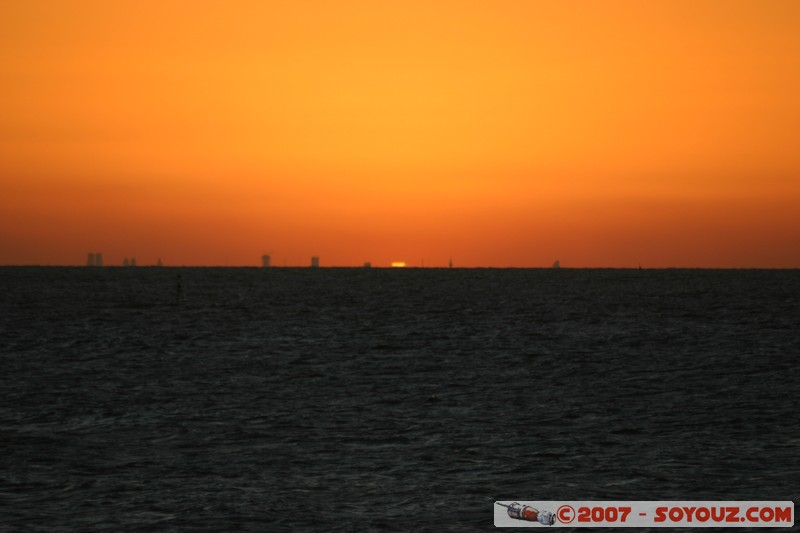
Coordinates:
column 265, row 261
column 315, row 261
column 159, row 263
column 557, row 264
column 90, row 260
column 133, row 261
column 450, row 264
column 367, row 265
column 98, row 259
column 125, row 262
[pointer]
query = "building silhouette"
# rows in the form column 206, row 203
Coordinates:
column 125, row 262
column 265, row 261
column 98, row 259
column 133, row 261
column 367, row 264
column 159, row 263
column 557, row 264
column 314, row 261
column 90, row 260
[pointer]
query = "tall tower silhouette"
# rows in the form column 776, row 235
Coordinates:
column 314, row 261
column 265, row 261
column 98, row 259
column 90, row 260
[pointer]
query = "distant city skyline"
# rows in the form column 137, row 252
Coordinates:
column 278, row 262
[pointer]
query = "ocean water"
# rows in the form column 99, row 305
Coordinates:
column 387, row 399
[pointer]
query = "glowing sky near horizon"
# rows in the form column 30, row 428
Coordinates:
column 509, row 133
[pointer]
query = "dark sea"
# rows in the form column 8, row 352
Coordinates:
column 331, row 399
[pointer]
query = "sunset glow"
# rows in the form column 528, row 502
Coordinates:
column 509, row 133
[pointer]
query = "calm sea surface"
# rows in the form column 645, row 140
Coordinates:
column 403, row 399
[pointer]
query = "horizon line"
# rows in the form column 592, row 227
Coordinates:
column 407, row 267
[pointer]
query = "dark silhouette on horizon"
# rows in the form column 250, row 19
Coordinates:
column 94, row 259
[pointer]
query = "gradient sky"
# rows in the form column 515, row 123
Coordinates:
column 498, row 133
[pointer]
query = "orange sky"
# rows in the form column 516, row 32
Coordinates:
column 507, row 133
